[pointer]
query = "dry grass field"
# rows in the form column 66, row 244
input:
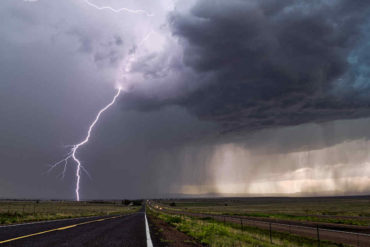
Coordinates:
column 341, row 210
column 213, row 233
column 27, row 211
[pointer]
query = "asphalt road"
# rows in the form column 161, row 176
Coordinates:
column 97, row 231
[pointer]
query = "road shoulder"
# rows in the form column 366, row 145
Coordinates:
column 163, row 234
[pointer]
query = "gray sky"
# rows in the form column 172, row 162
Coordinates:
column 239, row 96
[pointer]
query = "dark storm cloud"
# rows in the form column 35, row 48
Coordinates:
column 243, row 64
column 272, row 63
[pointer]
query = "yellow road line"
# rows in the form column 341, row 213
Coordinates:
column 66, row 227
column 56, row 229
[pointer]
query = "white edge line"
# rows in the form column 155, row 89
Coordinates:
column 149, row 242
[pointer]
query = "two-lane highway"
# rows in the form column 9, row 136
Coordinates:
column 96, row 231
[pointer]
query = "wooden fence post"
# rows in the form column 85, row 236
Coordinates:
column 318, row 235
column 270, row 234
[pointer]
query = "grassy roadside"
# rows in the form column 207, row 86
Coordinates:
column 21, row 212
column 283, row 216
column 216, row 234
column 349, row 211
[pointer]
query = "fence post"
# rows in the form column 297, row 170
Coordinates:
column 270, row 233
column 318, row 235
column 358, row 240
column 213, row 224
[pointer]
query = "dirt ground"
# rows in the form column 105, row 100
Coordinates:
column 164, row 235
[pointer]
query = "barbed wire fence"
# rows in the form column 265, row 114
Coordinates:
column 318, row 233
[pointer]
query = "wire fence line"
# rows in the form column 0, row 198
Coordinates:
column 318, row 233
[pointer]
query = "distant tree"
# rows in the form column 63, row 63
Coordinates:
column 173, row 204
column 126, row 202
column 137, row 202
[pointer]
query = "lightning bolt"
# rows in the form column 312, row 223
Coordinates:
column 131, row 11
column 74, row 149
column 72, row 154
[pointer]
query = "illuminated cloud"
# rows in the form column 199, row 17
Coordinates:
column 226, row 96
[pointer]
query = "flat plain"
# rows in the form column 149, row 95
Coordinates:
column 308, row 221
column 354, row 210
column 213, row 222
column 12, row 212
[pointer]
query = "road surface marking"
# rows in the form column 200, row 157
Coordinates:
column 149, row 242
column 57, row 229
column 66, row 227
